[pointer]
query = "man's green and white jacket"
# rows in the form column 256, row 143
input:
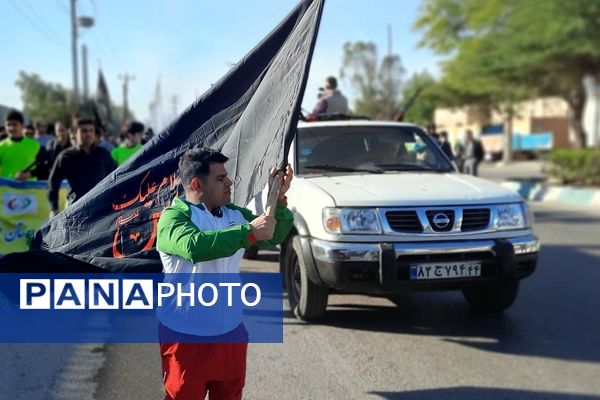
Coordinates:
column 191, row 239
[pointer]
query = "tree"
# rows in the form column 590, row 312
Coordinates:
column 42, row 100
column 473, row 78
column 507, row 50
column 376, row 82
column 422, row 110
column 53, row 102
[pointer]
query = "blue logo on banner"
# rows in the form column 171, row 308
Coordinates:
column 141, row 308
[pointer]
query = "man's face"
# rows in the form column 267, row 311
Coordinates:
column 86, row 135
column 41, row 128
column 73, row 135
column 134, row 138
column 61, row 132
column 216, row 187
column 14, row 129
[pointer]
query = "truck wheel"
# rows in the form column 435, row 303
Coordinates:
column 307, row 300
column 251, row 253
column 493, row 298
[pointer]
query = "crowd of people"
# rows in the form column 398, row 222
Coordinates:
column 79, row 154
column 467, row 155
column 83, row 156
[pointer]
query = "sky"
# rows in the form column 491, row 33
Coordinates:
column 187, row 44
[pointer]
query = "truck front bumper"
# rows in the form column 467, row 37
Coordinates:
column 385, row 267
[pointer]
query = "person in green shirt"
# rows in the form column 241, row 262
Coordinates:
column 19, row 154
column 132, row 143
column 204, row 233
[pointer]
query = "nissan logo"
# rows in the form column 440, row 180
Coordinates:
column 441, row 220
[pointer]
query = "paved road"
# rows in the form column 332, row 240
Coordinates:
column 530, row 170
column 547, row 346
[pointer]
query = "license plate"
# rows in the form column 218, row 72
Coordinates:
column 445, row 270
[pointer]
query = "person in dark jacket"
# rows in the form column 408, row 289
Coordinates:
column 445, row 145
column 83, row 166
column 62, row 142
column 473, row 154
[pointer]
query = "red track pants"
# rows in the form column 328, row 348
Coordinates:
column 191, row 370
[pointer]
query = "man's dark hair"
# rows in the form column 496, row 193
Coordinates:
column 135, row 127
column 196, row 163
column 332, row 82
column 14, row 115
column 85, row 121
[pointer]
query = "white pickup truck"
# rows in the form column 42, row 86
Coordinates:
column 379, row 209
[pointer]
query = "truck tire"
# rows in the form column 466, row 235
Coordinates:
column 493, row 298
column 308, row 301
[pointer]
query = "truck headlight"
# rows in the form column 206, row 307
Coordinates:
column 351, row 220
column 528, row 215
column 510, row 216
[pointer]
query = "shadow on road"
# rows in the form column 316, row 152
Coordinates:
column 267, row 256
column 568, row 218
column 555, row 315
column 478, row 393
column 528, row 179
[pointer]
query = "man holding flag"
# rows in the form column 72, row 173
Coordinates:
column 204, row 233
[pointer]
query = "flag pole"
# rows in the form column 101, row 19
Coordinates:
column 274, row 194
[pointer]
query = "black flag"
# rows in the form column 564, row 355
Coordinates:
column 250, row 115
column 102, row 109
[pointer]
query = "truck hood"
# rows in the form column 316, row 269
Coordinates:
column 411, row 189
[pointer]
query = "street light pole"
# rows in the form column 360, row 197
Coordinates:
column 596, row 97
column 126, row 78
column 84, row 70
column 74, row 54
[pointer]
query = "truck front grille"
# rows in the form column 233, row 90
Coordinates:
column 404, row 221
column 436, row 221
column 475, row 219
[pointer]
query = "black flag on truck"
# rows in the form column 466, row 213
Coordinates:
column 250, row 115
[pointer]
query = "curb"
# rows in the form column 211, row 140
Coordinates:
column 572, row 195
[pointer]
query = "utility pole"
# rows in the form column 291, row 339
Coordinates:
column 174, row 101
column 84, row 57
column 596, row 97
column 74, row 53
column 390, row 47
column 84, row 22
column 126, row 78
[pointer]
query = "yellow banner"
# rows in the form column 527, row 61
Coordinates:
column 23, row 207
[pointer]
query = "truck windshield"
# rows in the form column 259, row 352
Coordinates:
column 368, row 148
